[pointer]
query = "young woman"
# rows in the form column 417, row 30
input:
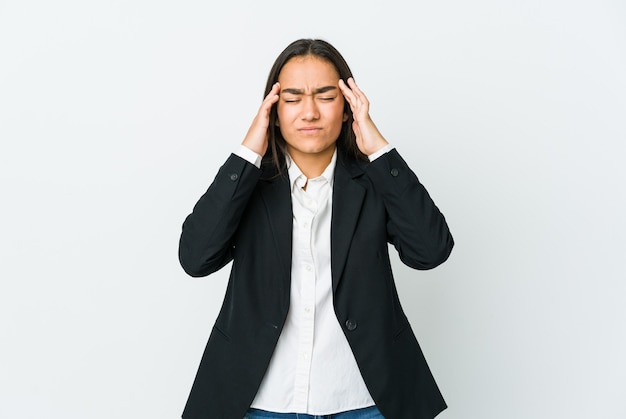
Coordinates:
column 311, row 324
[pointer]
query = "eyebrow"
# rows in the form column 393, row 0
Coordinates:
column 315, row 91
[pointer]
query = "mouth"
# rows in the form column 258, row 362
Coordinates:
column 310, row 130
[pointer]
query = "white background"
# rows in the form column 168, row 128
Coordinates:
column 115, row 116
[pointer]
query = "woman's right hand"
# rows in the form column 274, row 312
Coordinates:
column 257, row 136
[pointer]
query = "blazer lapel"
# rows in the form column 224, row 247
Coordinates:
column 348, row 198
column 277, row 199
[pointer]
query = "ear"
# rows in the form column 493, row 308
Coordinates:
column 345, row 116
column 276, row 123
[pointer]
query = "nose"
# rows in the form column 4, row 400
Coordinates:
column 309, row 109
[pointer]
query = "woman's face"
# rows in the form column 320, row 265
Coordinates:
column 311, row 107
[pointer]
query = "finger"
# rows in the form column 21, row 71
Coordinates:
column 345, row 90
column 360, row 100
column 348, row 94
column 271, row 98
column 357, row 91
column 275, row 88
column 273, row 95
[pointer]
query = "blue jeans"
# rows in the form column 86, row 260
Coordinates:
column 365, row 413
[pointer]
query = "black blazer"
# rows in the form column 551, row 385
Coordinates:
column 247, row 219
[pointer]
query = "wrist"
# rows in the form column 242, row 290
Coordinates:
column 380, row 152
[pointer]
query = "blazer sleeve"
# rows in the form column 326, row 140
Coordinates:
column 415, row 226
column 206, row 240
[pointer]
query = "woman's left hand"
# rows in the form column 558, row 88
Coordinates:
column 368, row 138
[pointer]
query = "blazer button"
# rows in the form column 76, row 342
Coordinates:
column 234, row 177
column 350, row 325
column 394, row 172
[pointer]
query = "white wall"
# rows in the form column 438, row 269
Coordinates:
column 115, row 115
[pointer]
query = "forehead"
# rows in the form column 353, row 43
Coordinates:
column 308, row 71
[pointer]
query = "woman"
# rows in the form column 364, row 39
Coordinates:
column 311, row 323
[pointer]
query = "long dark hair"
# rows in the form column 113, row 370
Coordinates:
column 346, row 143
